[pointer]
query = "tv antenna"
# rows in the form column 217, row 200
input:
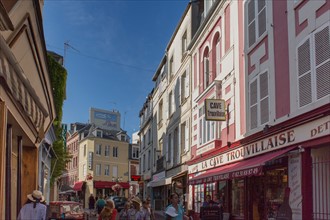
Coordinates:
column 66, row 47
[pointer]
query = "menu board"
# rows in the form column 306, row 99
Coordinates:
column 210, row 213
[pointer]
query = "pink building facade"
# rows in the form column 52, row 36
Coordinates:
column 269, row 61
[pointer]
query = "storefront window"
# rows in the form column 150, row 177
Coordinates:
column 210, row 190
column 199, row 197
column 238, row 201
column 223, row 194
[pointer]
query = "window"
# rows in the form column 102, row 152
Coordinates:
column 144, row 162
column 206, row 71
column 85, row 150
column 238, row 202
column 176, row 147
column 171, row 67
column 184, row 137
column 313, row 66
column 107, row 170
column 184, row 87
column 98, row 149
column 206, row 128
column 199, row 197
column 98, row 133
column 149, row 136
column 135, row 153
column 218, row 56
column 160, row 148
column 259, row 101
column 98, row 169
column 160, row 112
column 115, row 152
column 107, row 151
column 114, row 171
column 184, row 43
column 256, row 20
column 149, row 159
column 171, row 104
column 169, row 148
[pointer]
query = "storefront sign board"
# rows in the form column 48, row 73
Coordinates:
column 308, row 131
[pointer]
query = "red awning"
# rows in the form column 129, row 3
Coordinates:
column 248, row 167
column 78, row 186
column 108, row 184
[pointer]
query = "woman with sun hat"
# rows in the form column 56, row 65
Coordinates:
column 33, row 208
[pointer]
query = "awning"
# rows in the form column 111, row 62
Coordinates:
column 78, row 186
column 248, row 167
column 108, row 184
column 160, row 182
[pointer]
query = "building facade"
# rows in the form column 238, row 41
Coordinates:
column 103, row 163
column 274, row 143
column 26, row 101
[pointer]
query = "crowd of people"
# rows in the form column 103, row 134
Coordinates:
column 134, row 209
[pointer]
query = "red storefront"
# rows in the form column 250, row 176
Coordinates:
column 251, row 177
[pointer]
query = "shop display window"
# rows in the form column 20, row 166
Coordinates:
column 210, row 190
column 199, row 197
column 223, row 194
column 238, row 201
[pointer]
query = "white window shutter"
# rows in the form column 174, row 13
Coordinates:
column 262, row 18
column 251, row 22
column 254, row 104
column 166, row 149
column 218, row 58
column 304, row 74
column 322, row 62
column 187, row 84
column 186, row 130
column 264, row 98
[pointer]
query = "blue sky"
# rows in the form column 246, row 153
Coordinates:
column 115, row 48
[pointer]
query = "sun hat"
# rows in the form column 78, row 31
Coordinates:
column 36, row 195
column 171, row 212
column 137, row 200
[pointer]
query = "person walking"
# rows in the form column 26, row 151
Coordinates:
column 108, row 212
column 33, row 208
column 100, row 203
column 123, row 215
column 174, row 199
column 148, row 213
column 135, row 212
column 91, row 202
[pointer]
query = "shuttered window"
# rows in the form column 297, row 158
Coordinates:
column 259, row 100
column 313, row 66
column 256, row 12
column 206, row 72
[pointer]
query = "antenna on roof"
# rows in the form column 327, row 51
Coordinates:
column 66, row 47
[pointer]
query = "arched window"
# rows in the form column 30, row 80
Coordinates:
column 216, row 55
column 206, row 65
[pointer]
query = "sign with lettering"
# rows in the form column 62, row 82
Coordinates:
column 135, row 178
column 215, row 110
column 210, row 213
column 90, row 160
column 308, row 131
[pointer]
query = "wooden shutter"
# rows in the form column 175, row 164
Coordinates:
column 322, row 62
column 304, row 74
column 251, row 22
column 262, row 18
column 254, row 104
column 264, row 98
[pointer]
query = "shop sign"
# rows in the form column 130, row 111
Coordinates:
column 90, row 160
column 135, row 178
column 215, row 110
column 158, row 176
column 230, row 175
column 205, row 148
column 309, row 131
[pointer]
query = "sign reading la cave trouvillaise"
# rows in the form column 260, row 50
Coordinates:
column 215, row 110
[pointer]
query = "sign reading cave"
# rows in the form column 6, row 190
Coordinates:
column 215, row 110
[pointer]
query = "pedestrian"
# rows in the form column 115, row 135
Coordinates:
column 208, row 202
column 91, row 202
column 178, row 209
column 148, row 213
column 135, row 212
column 108, row 212
column 33, row 208
column 123, row 215
column 100, row 203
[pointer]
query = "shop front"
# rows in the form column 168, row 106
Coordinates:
column 111, row 188
column 258, row 179
column 161, row 190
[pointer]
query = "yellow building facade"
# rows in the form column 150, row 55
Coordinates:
column 103, row 163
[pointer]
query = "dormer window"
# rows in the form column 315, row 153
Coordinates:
column 99, row 134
